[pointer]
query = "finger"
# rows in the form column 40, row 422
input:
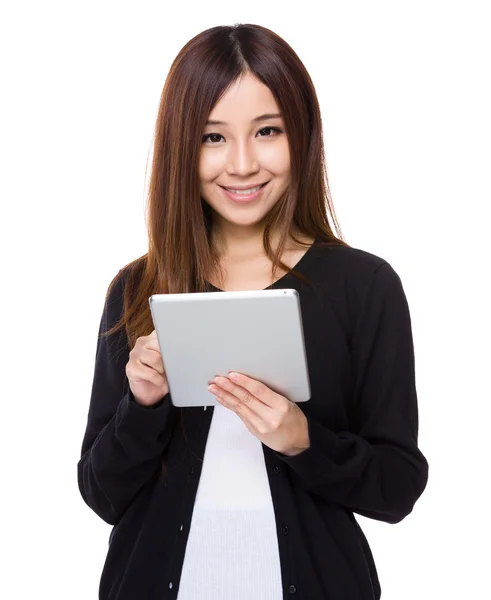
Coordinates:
column 146, row 341
column 149, row 342
column 255, row 388
column 153, row 359
column 241, row 401
column 241, row 394
column 142, row 372
column 230, row 400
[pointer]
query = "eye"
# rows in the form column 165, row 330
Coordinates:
column 210, row 135
column 218, row 135
column 275, row 129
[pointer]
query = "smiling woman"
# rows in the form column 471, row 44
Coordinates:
column 254, row 497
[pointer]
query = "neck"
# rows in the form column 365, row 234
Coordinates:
column 243, row 242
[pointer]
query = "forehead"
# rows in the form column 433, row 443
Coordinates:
column 244, row 100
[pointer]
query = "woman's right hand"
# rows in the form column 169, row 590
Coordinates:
column 145, row 371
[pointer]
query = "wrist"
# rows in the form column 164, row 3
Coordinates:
column 297, row 450
column 148, row 406
column 302, row 442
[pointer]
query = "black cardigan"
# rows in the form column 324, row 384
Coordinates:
column 363, row 458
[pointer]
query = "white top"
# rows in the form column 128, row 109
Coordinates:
column 232, row 548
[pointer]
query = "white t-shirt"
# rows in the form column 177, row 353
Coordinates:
column 232, row 548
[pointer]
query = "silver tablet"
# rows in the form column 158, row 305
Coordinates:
column 258, row 333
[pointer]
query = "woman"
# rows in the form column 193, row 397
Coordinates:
column 253, row 498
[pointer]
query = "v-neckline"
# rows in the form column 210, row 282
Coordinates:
column 297, row 267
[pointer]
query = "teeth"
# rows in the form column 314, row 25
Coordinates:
column 244, row 192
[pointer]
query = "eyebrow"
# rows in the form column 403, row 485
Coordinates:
column 255, row 120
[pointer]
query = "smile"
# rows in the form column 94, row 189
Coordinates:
column 245, row 192
column 243, row 196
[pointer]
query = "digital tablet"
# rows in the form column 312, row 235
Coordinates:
column 258, row 333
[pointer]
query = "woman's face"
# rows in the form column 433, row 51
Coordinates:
column 243, row 151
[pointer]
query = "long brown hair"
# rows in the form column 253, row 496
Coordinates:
column 181, row 254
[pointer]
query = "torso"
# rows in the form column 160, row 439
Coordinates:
column 247, row 274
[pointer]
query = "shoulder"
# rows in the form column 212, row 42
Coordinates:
column 348, row 264
column 351, row 278
column 115, row 290
column 128, row 276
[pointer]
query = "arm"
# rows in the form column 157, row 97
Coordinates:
column 376, row 468
column 124, row 441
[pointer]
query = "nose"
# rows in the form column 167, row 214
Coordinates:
column 242, row 159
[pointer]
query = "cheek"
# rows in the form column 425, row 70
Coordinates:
column 276, row 159
column 210, row 166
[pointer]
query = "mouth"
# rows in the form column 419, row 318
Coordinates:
column 250, row 190
column 243, row 196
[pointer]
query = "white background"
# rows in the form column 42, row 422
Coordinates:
column 405, row 97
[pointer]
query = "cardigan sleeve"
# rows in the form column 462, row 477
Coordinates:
column 376, row 468
column 124, row 441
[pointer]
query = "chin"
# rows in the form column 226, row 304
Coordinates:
column 246, row 221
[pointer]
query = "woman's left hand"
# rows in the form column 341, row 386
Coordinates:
column 276, row 421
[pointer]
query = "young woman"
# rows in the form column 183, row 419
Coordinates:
column 253, row 498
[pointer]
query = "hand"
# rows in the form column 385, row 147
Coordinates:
column 145, row 371
column 276, row 421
